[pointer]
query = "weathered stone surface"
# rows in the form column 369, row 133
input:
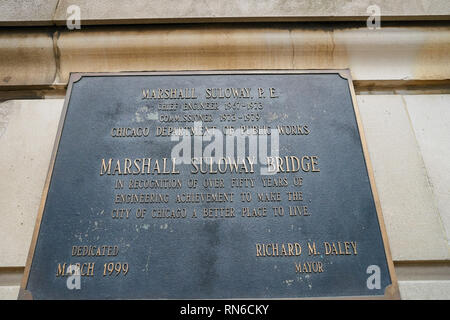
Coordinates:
column 29, row 57
column 26, row 12
column 387, row 54
column 422, row 270
column 430, row 117
column 424, row 290
column 139, row 11
column 9, row 292
column 27, row 132
column 48, row 12
column 410, row 213
column 395, row 53
column 26, row 58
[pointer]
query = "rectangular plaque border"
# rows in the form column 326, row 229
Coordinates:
column 391, row 292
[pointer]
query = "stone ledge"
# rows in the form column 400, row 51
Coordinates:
column 45, row 12
column 38, row 58
column 27, row 13
column 424, row 290
column 173, row 11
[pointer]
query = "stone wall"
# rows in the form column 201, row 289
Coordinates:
column 401, row 74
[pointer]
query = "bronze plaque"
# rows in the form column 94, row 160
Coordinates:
column 210, row 185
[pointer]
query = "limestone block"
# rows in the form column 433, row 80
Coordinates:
column 33, row 57
column 386, row 54
column 394, row 53
column 27, row 133
column 430, row 118
column 26, row 12
column 26, row 58
column 154, row 11
column 192, row 48
column 424, row 290
column 48, row 12
column 410, row 213
column 9, row 292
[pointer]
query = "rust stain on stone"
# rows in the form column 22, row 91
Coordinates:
column 433, row 56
